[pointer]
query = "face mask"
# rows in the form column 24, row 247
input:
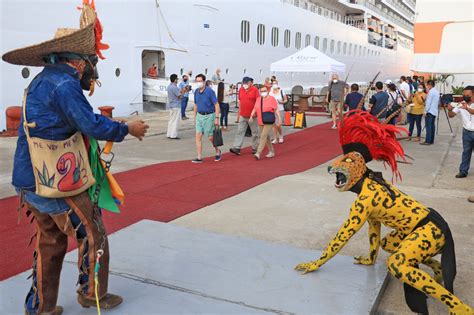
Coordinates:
column 90, row 74
column 264, row 94
column 246, row 86
column 334, row 81
column 420, row 90
column 185, row 80
column 199, row 85
column 466, row 98
column 274, row 86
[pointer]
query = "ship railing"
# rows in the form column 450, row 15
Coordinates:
column 400, row 7
column 391, row 17
column 324, row 12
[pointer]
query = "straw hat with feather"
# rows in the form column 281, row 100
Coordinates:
column 79, row 41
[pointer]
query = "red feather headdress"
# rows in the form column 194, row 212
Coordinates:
column 97, row 27
column 360, row 131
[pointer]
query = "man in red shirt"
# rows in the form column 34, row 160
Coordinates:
column 153, row 71
column 248, row 95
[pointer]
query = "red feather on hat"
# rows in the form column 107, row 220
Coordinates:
column 97, row 30
column 381, row 140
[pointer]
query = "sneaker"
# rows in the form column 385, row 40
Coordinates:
column 280, row 140
column 254, row 151
column 425, row 143
column 270, row 155
column 256, row 156
column 218, row 156
column 274, row 141
column 196, row 160
column 334, row 126
column 177, row 138
column 461, row 175
column 185, row 118
column 235, row 151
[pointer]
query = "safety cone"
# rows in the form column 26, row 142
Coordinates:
column 287, row 121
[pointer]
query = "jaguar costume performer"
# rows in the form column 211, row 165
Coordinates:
column 419, row 234
column 57, row 169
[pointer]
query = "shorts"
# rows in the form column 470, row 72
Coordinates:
column 333, row 106
column 205, row 124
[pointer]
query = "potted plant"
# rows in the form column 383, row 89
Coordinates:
column 457, row 93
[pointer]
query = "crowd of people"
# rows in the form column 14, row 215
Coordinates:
column 261, row 110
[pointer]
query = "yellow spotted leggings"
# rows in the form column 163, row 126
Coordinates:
column 419, row 247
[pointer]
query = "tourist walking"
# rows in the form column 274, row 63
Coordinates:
column 185, row 99
column 248, row 95
column 174, row 106
column 378, row 102
column 267, row 114
column 353, row 98
column 206, row 116
column 281, row 98
column 335, row 97
column 415, row 113
column 223, row 99
column 431, row 111
column 466, row 111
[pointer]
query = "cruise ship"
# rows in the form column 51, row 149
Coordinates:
column 242, row 38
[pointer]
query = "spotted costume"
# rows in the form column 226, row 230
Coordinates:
column 419, row 233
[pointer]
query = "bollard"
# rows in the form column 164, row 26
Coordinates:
column 13, row 114
column 106, row 111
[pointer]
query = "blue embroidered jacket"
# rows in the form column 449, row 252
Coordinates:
column 56, row 103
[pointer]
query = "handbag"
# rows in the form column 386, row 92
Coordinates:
column 217, row 140
column 61, row 167
column 268, row 118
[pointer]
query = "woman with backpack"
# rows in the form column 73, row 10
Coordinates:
column 266, row 111
column 394, row 103
column 282, row 99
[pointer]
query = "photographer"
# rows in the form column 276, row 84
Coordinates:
column 466, row 111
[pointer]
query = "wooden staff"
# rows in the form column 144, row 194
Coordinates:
column 362, row 100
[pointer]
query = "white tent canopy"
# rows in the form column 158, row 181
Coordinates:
column 308, row 59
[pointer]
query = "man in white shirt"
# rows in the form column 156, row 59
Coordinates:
column 405, row 88
column 466, row 110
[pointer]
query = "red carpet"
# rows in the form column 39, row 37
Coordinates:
column 166, row 191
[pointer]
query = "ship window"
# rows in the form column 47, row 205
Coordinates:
column 205, row 71
column 275, row 36
column 287, row 38
column 360, row 50
column 350, row 49
column 227, row 71
column 338, row 47
column 365, row 51
column 320, row 11
column 245, row 31
column 325, row 44
column 332, row 46
column 117, row 72
column 245, row 71
column 307, row 41
column 298, row 40
column 344, row 48
column 261, row 34
column 316, row 42
column 25, row 73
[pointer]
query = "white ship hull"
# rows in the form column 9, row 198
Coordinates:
column 204, row 35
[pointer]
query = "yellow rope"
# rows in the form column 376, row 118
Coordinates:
column 97, row 295
column 100, row 252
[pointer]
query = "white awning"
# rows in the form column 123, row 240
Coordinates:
column 308, row 59
column 444, row 37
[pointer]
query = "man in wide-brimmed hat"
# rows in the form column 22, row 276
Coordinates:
column 54, row 109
